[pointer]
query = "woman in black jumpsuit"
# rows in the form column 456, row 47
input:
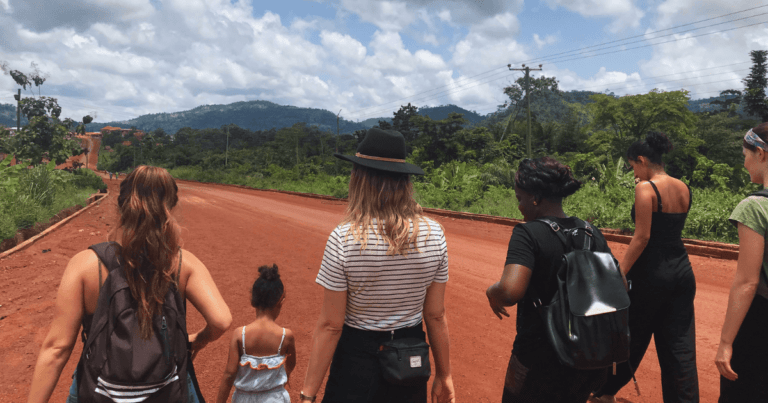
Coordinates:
column 663, row 285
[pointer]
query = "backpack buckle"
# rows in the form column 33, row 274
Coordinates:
column 536, row 303
column 554, row 226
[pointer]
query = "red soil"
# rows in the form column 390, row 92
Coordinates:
column 233, row 231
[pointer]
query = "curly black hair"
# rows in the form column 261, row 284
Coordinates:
column 655, row 145
column 267, row 289
column 546, row 177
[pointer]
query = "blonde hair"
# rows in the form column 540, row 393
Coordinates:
column 387, row 197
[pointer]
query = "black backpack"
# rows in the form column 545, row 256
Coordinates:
column 117, row 365
column 587, row 319
column 762, row 286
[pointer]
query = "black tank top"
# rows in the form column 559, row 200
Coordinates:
column 666, row 228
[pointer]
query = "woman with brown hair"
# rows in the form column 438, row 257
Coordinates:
column 743, row 349
column 384, row 271
column 144, row 251
column 663, row 284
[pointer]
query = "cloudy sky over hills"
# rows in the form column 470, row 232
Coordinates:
column 124, row 58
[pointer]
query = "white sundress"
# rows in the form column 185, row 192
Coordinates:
column 261, row 379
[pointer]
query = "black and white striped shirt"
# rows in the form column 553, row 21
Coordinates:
column 384, row 292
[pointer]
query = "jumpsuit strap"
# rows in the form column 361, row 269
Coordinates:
column 658, row 196
column 244, row 340
column 690, row 197
column 281, row 343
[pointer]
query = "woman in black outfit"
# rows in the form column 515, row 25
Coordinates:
column 534, row 373
column 663, row 285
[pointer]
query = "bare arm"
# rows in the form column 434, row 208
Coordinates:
column 510, row 289
column 62, row 336
column 202, row 292
column 643, row 215
column 326, row 337
column 230, row 371
column 751, row 249
column 437, row 329
column 290, row 351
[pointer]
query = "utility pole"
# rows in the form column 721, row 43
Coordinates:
column 226, row 152
column 337, row 129
column 528, row 99
column 18, row 111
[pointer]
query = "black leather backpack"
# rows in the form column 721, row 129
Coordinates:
column 587, row 319
column 117, row 365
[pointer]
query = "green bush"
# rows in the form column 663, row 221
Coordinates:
column 35, row 195
column 604, row 200
column 85, row 178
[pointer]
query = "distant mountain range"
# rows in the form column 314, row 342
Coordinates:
column 265, row 115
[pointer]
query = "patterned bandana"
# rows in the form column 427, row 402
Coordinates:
column 753, row 139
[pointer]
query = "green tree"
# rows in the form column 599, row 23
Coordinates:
column 754, row 93
column 45, row 136
column 402, row 122
column 629, row 118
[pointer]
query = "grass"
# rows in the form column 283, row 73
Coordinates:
column 605, row 202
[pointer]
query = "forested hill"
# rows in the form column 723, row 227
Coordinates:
column 253, row 115
column 434, row 112
column 8, row 116
column 265, row 115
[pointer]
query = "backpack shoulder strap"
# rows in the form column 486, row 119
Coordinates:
column 107, row 253
column 561, row 233
column 556, row 228
column 762, row 192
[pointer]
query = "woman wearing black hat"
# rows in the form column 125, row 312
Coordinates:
column 384, row 270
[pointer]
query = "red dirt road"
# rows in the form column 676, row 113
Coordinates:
column 233, row 231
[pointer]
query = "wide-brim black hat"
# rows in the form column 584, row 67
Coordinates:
column 383, row 150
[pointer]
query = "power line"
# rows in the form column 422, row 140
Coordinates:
column 433, row 89
column 651, row 44
column 572, row 52
column 440, row 95
column 648, row 33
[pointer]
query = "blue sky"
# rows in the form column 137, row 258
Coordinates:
column 122, row 59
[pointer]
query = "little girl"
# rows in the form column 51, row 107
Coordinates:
column 261, row 354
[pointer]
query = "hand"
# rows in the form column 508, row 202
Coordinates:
column 197, row 343
column 496, row 306
column 442, row 390
column 723, row 361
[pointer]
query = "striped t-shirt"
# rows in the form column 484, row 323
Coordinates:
column 384, row 292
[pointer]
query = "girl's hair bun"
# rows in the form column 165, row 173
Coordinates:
column 269, row 273
column 268, row 288
column 658, row 142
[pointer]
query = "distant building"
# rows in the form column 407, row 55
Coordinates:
column 124, row 132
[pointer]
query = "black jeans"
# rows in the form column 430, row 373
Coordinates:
column 355, row 375
column 662, row 307
column 547, row 380
column 750, row 358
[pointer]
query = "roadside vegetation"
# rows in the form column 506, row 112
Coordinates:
column 33, row 192
column 470, row 167
column 34, row 196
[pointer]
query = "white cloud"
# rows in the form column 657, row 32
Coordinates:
column 547, row 40
column 6, row 5
column 675, row 12
column 387, row 15
column 343, row 45
column 624, row 12
column 430, row 39
column 111, row 33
